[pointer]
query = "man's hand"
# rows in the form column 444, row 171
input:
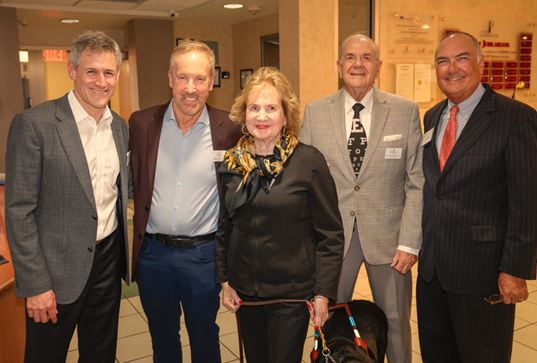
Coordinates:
column 403, row 261
column 230, row 299
column 513, row 289
column 42, row 307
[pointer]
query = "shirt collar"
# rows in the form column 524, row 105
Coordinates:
column 467, row 106
column 367, row 101
column 169, row 116
column 80, row 114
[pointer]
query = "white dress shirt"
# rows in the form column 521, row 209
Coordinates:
column 103, row 163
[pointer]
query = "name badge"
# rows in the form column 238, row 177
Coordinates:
column 427, row 137
column 393, row 153
column 218, row 155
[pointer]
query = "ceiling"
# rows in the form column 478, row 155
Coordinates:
column 114, row 14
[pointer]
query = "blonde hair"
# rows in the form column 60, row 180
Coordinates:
column 268, row 77
column 187, row 46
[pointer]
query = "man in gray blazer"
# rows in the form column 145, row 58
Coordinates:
column 66, row 223
column 372, row 141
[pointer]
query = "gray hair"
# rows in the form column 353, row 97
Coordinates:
column 359, row 36
column 477, row 47
column 94, row 41
column 187, row 46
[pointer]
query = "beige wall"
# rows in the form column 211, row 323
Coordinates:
column 308, row 47
column 220, row 97
column 11, row 101
column 152, row 41
column 247, row 44
column 57, row 80
column 499, row 9
column 123, row 90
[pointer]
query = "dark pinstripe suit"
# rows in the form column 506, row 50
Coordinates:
column 479, row 217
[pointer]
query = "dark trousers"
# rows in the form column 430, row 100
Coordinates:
column 274, row 333
column 462, row 328
column 169, row 278
column 96, row 312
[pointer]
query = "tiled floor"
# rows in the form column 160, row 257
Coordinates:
column 134, row 341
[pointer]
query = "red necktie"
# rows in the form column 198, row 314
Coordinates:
column 450, row 136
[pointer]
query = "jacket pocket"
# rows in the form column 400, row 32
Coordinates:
column 488, row 233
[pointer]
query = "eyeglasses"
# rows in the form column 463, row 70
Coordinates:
column 494, row 299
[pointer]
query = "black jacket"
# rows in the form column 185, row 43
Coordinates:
column 287, row 243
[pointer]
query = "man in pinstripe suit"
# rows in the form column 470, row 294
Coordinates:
column 480, row 212
column 381, row 203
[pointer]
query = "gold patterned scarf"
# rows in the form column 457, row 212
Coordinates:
column 257, row 171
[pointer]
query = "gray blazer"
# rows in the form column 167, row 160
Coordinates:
column 387, row 197
column 51, row 218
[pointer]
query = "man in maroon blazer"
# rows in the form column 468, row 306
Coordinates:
column 176, row 149
column 480, row 212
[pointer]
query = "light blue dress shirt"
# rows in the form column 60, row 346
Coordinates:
column 466, row 108
column 185, row 195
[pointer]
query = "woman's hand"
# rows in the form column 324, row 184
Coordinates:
column 230, row 299
column 320, row 307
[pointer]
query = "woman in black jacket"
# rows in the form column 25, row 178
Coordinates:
column 280, row 233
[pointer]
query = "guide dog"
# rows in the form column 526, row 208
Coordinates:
column 372, row 326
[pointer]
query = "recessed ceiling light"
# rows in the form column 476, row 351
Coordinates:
column 233, row 6
column 70, row 21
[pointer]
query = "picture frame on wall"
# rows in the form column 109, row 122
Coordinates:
column 217, row 76
column 245, row 73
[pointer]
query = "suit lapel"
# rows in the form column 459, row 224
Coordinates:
column 218, row 133
column 478, row 123
column 337, row 117
column 154, row 128
column 70, row 139
column 118, row 139
column 378, row 120
column 434, row 145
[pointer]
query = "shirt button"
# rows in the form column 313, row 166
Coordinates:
column 178, row 184
column 352, row 213
column 357, row 188
column 438, row 197
column 174, row 229
column 175, row 207
column 181, row 160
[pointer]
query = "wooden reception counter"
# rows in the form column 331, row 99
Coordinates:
column 12, row 319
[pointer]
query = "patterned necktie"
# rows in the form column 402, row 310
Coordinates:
column 357, row 140
column 450, row 136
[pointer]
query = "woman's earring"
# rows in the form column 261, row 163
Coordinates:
column 246, row 133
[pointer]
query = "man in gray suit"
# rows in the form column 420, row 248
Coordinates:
column 66, row 223
column 372, row 141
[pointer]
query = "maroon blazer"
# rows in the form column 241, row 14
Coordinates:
column 145, row 129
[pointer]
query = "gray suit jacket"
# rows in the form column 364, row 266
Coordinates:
column 51, row 218
column 387, row 197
